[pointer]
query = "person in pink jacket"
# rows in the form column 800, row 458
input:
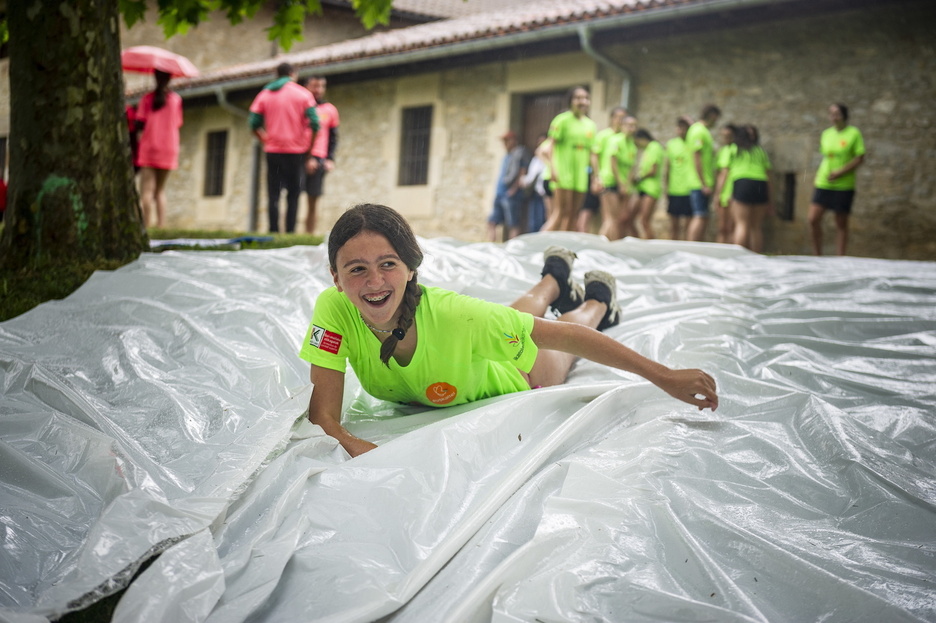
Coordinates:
column 281, row 117
column 158, row 118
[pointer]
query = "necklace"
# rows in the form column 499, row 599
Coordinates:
column 398, row 333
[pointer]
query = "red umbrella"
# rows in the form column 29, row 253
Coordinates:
column 146, row 59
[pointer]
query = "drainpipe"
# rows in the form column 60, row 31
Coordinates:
column 585, row 32
column 255, row 156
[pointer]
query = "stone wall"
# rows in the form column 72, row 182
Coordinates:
column 880, row 62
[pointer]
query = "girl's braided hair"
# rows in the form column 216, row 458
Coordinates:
column 388, row 223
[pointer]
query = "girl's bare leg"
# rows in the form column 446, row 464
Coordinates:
column 742, row 219
column 147, row 193
column 815, row 226
column 610, row 215
column 647, row 204
column 756, row 235
column 162, row 175
column 537, row 299
column 552, row 366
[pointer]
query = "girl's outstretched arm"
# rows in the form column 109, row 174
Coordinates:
column 695, row 387
column 325, row 409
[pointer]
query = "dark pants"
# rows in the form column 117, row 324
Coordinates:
column 284, row 171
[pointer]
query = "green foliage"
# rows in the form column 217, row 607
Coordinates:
column 177, row 16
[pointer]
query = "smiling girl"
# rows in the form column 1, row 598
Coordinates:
column 410, row 343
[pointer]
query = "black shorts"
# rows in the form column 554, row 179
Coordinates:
column 752, row 192
column 839, row 201
column 591, row 203
column 678, row 205
column 315, row 183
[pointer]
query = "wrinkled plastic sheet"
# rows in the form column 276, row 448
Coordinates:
column 160, row 409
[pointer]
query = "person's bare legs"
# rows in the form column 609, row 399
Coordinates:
column 815, row 226
column 647, row 205
column 756, row 234
column 697, row 227
column 629, row 207
column 741, row 212
column 311, row 216
column 610, row 206
column 162, row 175
column 841, row 232
column 566, row 204
column 552, row 366
column 147, row 193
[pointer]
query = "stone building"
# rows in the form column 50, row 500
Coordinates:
column 422, row 105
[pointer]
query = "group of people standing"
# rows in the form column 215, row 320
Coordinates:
column 622, row 171
column 299, row 132
column 297, row 126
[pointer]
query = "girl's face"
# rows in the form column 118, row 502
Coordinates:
column 373, row 277
column 629, row 126
column 835, row 115
column 727, row 136
column 617, row 118
column 581, row 102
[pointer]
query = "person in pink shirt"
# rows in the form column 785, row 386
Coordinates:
column 158, row 117
column 321, row 159
column 281, row 117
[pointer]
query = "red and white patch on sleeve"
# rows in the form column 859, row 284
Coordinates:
column 325, row 340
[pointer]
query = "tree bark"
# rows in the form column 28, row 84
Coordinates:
column 72, row 194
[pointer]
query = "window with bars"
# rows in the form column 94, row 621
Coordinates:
column 214, row 163
column 414, row 146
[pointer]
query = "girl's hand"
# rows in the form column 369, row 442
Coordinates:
column 693, row 386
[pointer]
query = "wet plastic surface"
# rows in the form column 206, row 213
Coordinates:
column 160, row 409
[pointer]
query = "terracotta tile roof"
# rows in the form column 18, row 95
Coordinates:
column 499, row 28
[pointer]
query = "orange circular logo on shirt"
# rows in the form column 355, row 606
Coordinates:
column 441, row 393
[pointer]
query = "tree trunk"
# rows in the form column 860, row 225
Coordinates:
column 72, row 195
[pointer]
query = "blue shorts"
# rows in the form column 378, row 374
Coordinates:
column 699, row 202
column 506, row 210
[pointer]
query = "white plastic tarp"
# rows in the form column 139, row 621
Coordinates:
column 161, row 409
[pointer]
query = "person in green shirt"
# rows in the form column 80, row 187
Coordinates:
column 677, row 181
column 410, row 343
column 571, row 135
column 648, row 179
column 701, row 145
column 843, row 151
column 605, row 183
column 624, row 164
column 724, row 184
column 751, row 190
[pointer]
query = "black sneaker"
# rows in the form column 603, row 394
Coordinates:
column 557, row 261
column 602, row 287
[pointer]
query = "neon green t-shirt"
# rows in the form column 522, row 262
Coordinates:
column 572, row 144
column 838, row 149
column 467, row 349
column 699, row 139
column 653, row 154
column 680, row 161
column 606, row 146
column 752, row 164
column 723, row 161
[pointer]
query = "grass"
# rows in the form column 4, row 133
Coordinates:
column 24, row 290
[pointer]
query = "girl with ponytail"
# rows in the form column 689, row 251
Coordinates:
column 416, row 344
column 158, row 117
